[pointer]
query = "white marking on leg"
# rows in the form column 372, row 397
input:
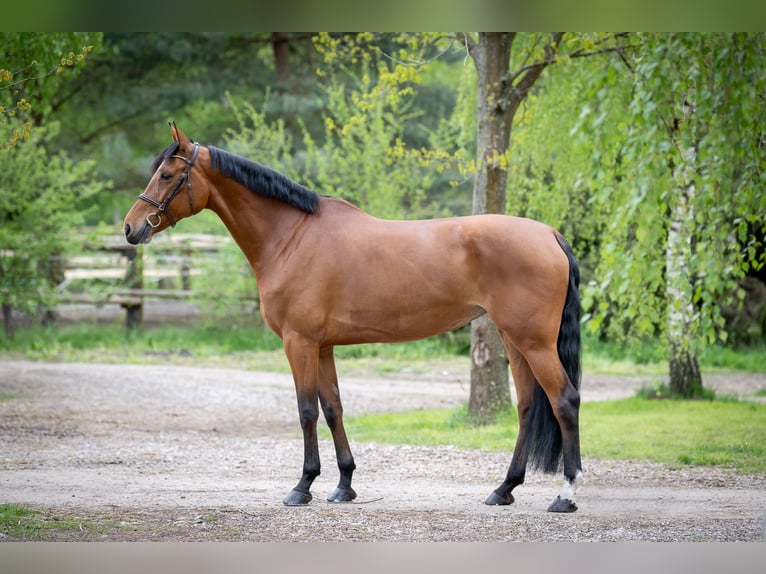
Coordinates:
column 569, row 489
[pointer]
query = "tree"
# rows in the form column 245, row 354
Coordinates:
column 42, row 188
column 678, row 159
column 500, row 92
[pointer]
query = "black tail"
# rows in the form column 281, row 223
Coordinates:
column 543, row 432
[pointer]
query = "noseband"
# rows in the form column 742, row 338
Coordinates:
column 154, row 219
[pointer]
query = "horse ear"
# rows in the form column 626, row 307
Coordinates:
column 179, row 137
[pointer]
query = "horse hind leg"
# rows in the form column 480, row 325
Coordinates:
column 564, row 400
column 524, row 381
column 329, row 398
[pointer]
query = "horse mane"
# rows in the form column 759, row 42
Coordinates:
column 264, row 180
column 254, row 176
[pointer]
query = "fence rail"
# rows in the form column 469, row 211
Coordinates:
column 127, row 277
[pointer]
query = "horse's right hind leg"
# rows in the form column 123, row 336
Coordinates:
column 564, row 399
column 524, row 381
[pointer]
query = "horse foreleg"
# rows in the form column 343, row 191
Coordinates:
column 524, row 381
column 329, row 398
column 303, row 358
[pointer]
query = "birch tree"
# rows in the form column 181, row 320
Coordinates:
column 678, row 172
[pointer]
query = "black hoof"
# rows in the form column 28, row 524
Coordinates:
column 342, row 495
column 562, row 505
column 297, row 498
column 495, row 499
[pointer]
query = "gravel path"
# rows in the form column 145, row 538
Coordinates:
column 191, row 453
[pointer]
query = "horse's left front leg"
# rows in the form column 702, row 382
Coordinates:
column 329, row 398
column 304, row 363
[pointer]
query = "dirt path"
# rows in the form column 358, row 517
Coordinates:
column 187, row 453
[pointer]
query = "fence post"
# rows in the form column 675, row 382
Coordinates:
column 185, row 275
column 134, row 279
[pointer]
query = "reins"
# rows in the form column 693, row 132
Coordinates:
column 154, row 219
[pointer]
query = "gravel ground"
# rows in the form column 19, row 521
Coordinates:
column 187, row 453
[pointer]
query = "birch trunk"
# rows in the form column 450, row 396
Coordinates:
column 685, row 377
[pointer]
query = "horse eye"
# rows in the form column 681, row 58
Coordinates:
column 165, row 176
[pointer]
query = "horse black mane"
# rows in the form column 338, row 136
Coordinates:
column 264, row 180
column 254, row 176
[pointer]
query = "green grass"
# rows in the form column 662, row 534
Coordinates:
column 113, row 343
column 251, row 345
column 19, row 523
column 680, row 433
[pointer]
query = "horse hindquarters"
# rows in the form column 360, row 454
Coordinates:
column 569, row 349
column 547, row 379
column 554, row 423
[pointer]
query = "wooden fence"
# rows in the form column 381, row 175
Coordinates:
column 109, row 271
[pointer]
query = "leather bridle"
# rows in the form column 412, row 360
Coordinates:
column 154, row 219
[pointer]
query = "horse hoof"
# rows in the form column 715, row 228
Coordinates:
column 495, row 499
column 562, row 505
column 297, row 498
column 342, row 495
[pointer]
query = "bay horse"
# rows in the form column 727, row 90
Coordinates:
column 330, row 274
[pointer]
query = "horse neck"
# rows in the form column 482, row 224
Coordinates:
column 259, row 225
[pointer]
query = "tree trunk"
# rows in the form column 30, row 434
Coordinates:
column 490, row 390
column 8, row 320
column 685, row 377
column 499, row 95
column 279, row 42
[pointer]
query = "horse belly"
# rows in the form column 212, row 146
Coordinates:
column 391, row 306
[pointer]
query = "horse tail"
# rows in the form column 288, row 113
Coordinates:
column 543, row 432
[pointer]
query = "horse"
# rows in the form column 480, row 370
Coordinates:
column 330, row 274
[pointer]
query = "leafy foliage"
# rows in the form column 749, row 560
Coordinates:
column 614, row 131
column 43, row 192
column 33, row 69
column 389, row 121
column 362, row 153
column 42, row 199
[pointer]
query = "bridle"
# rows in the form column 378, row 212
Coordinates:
column 154, row 219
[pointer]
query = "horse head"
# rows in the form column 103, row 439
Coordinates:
column 168, row 196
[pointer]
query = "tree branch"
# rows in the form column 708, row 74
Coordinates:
column 530, row 73
column 87, row 138
column 550, row 54
column 418, row 63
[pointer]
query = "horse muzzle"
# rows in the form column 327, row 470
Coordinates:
column 139, row 235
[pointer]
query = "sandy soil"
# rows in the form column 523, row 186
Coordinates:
column 187, row 453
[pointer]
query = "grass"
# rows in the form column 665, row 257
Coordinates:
column 680, row 433
column 22, row 523
column 250, row 345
